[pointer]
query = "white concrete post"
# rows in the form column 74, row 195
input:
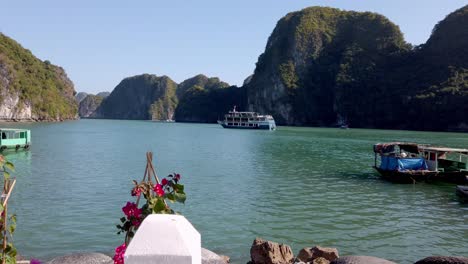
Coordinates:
column 165, row 239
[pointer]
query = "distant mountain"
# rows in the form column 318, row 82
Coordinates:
column 142, row 97
column 103, row 94
column 31, row 89
column 89, row 105
column 201, row 81
column 80, row 96
column 147, row 97
column 203, row 99
column 437, row 73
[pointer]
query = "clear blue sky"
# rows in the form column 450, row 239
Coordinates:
column 100, row 42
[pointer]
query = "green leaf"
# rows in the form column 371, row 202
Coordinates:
column 122, row 219
column 171, row 197
column 159, row 207
column 10, row 166
column 180, row 197
column 12, row 228
column 178, row 187
column 6, row 175
column 13, row 218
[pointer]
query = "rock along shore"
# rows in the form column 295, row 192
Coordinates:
column 268, row 252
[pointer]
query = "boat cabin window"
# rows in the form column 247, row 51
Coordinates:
column 13, row 134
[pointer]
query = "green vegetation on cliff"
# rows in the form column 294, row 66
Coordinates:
column 201, row 81
column 199, row 104
column 203, row 99
column 144, row 97
column 140, row 97
column 38, row 84
column 316, row 58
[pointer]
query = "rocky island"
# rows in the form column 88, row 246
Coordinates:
column 322, row 65
column 31, row 89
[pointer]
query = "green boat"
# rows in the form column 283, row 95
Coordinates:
column 15, row 139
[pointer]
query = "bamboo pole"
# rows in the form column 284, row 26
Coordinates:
column 5, row 213
column 10, row 189
column 150, row 162
column 8, row 186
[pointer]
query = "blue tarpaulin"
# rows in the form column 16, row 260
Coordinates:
column 401, row 164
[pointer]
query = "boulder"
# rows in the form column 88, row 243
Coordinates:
column 361, row 260
column 443, row 260
column 226, row 259
column 267, row 252
column 209, row 257
column 309, row 254
column 304, row 255
column 320, row 260
column 82, row 258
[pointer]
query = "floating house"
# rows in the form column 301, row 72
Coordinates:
column 15, row 139
column 411, row 162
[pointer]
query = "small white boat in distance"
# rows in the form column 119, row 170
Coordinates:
column 247, row 120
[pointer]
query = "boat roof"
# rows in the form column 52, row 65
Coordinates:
column 388, row 147
column 240, row 112
column 414, row 147
column 13, row 129
column 443, row 149
column 246, row 113
column 396, row 143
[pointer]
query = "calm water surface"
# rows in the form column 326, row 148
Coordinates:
column 299, row 186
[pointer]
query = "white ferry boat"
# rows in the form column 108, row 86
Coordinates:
column 248, row 120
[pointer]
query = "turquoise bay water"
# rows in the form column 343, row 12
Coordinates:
column 298, row 186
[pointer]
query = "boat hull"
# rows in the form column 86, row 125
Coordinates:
column 262, row 126
column 458, row 177
column 405, row 177
column 14, row 147
column 462, row 193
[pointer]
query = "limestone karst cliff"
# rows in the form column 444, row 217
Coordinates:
column 31, row 89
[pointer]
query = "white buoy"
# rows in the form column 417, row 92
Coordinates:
column 165, row 239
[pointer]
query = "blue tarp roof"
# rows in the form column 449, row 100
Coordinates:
column 402, row 164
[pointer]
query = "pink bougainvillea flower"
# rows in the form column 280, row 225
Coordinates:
column 158, row 190
column 136, row 191
column 136, row 222
column 35, row 261
column 164, row 182
column 131, row 210
column 119, row 254
column 177, row 176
